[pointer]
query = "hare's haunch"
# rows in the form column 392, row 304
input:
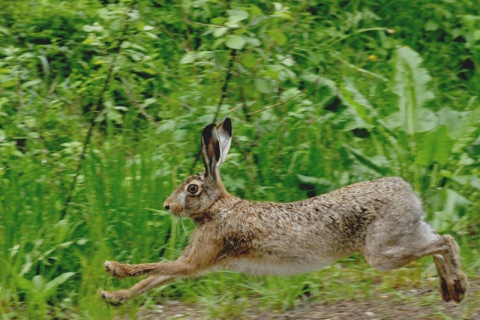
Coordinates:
column 382, row 219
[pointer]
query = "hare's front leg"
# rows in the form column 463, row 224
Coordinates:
column 148, row 284
column 159, row 273
column 117, row 269
column 179, row 268
column 198, row 257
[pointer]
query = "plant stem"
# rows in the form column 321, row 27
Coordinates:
column 96, row 111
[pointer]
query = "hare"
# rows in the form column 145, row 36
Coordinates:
column 381, row 219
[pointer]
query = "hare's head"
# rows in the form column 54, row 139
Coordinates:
column 199, row 192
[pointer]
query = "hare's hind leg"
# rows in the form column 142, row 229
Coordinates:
column 395, row 255
column 453, row 282
column 393, row 250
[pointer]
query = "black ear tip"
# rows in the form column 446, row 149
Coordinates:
column 207, row 131
column 227, row 125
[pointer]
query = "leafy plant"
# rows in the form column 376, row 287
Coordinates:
column 101, row 105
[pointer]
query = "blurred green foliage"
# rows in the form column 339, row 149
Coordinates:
column 322, row 94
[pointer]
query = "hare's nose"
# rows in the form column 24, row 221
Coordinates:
column 167, row 207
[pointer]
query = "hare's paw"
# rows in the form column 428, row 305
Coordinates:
column 116, row 269
column 454, row 290
column 460, row 286
column 444, row 290
column 115, row 297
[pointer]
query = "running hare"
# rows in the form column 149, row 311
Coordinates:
column 382, row 219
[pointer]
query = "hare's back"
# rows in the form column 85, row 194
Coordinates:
column 380, row 197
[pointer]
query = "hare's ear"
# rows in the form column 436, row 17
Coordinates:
column 211, row 150
column 225, row 132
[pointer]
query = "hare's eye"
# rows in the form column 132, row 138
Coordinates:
column 192, row 188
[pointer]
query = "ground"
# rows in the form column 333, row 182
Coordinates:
column 407, row 304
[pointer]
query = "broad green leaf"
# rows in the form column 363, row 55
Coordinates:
column 462, row 126
column 235, row 16
column 378, row 164
column 82, row 241
column 248, row 60
column 290, row 93
column 434, row 147
column 359, row 106
column 218, row 20
column 31, row 83
column 234, row 20
column 454, row 120
column 38, row 283
column 431, row 25
column 9, row 83
column 52, row 284
column 238, row 14
column 149, row 101
column 220, row 31
column 410, row 84
column 447, row 204
column 254, row 42
column 88, row 40
column 468, row 180
column 231, row 23
column 4, row 31
column 279, row 37
column 475, row 182
column 235, row 41
column 427, row 120
column 221, row 59
column 218, row 42
column 255, row 11
column 263, row 85
column 476, row 35
column 188, row 58
column 273, row 71
column 25, row 284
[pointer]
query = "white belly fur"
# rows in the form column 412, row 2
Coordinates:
column 269, row 267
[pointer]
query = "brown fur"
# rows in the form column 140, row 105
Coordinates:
column 382, row 219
